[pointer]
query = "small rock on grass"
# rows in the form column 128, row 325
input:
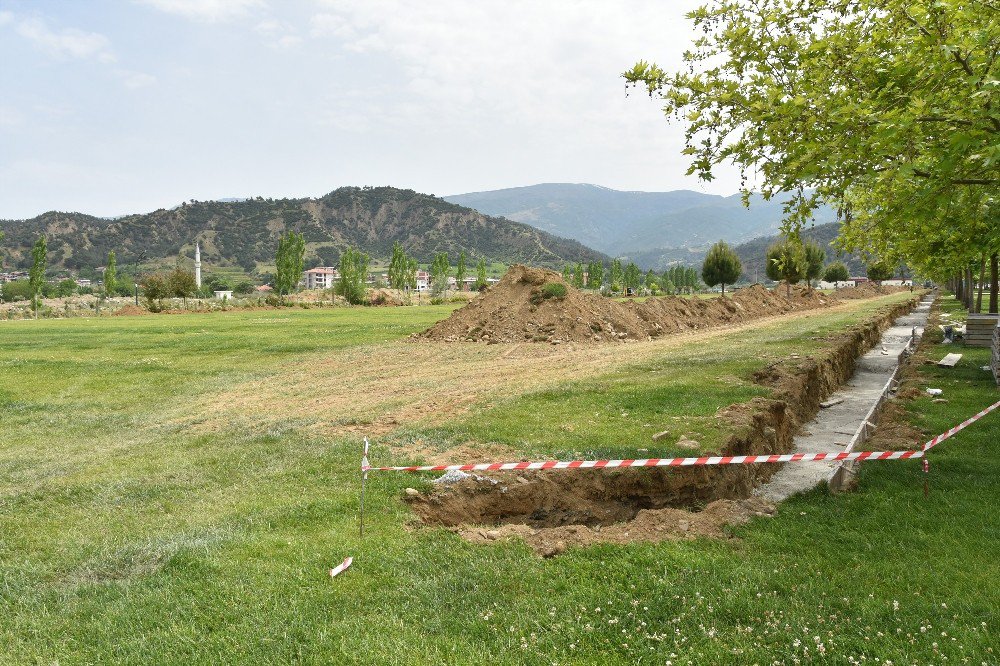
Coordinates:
column 686, row 443
column 553, row 549
column 412, row 492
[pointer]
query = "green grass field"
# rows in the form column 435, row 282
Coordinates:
column 137, row 529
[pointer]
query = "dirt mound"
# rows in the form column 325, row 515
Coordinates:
column 868, row 290
column 386, row 297
column 129, row 310
column 536, row 305
column 521, row 308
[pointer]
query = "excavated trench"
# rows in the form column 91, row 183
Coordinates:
column 558, row 507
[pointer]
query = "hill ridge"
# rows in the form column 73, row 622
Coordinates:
column 245, row 233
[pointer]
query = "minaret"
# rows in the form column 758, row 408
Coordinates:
column 197, row 264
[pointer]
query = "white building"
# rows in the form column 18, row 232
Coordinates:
column 321, row 277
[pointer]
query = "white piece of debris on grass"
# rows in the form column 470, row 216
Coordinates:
column 950, row 360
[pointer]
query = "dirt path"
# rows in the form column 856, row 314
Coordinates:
column 375, row 389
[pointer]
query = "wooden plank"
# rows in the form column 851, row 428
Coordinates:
column 950, row 360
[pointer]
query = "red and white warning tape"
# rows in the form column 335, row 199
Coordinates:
column 656, row 462
column 340, row 568
column 961, row 426
column 687, row 462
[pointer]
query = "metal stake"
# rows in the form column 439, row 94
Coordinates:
column 927, row 473
column 364, row 482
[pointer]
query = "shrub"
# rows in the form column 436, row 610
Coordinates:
column 555, row 290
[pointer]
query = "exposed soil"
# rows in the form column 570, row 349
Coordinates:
column 517, row 310
column 556, row 509
column 648, row 525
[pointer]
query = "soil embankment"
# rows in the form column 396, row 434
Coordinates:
column 555, row 509
column 523, row 307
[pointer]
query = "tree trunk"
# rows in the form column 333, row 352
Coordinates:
column 982, row 283
column 994, row 279
column 969, row 289
column 723, row 289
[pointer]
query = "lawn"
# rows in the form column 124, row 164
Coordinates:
column 135, row 527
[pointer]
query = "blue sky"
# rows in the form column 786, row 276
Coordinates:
column 109, row 107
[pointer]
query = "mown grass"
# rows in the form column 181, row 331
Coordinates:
column 614, row 415
column 124, row 539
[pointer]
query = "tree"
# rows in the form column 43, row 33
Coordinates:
column 154, row 289
column 836, row 272
column 353, row 273
column 398, row 265
column 694, row 282
column 721, row 266
column 481, row 274
column 411, row 273
column 111, row 275
column 243, row 287
column 881, row 270
column 632, row 276
column 651, row 281
column 289, row 262
column 460, row 271
column 567, row 273
column 616, row 276
column 66, row 287
column 440, row 268
column 886, row 111
column 181, row 283
column 578, row 276
column 36, row 276
column 786, row 261
column 595, row 274
column 815, row 256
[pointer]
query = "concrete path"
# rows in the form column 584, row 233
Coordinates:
column 834, row 426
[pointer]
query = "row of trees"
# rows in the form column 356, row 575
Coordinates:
column 884, row 111
column 618, row 278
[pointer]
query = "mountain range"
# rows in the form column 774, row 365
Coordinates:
column 244, row 233
column 651, row 228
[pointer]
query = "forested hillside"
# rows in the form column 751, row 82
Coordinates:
column 245, row 233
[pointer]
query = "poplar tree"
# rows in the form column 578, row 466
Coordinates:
column 111, row 275
column 460, row 271
column 289, row 262
column 399, row 267
column 353, row 273
column 595, row 274
column 481, row 274
column 440, row 268
column 616, row 276
column 36, row 276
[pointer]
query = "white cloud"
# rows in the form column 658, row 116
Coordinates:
column 209, row 11
column 518, row 60
column 6, row 17
column 66, row 43
column 135, row 80
column 278, row 34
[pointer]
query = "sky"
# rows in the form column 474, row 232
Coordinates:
column 117, row 106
